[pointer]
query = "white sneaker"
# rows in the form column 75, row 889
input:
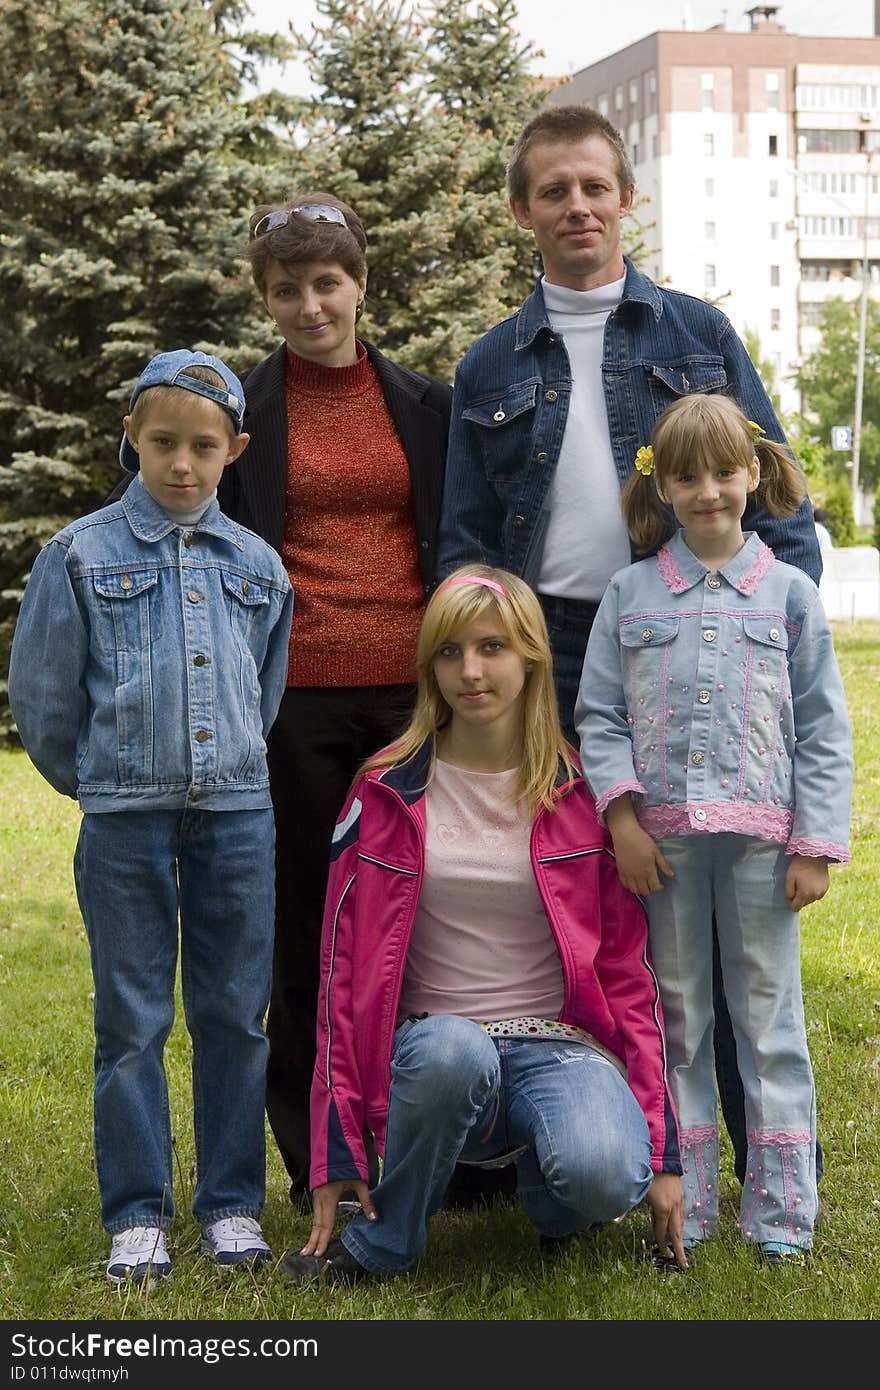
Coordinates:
column 138, row 1253
column 235, row 1240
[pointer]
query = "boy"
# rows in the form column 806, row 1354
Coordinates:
column 147, row 666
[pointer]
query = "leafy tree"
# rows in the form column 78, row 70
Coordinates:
column 126, row 173
column 828, row 381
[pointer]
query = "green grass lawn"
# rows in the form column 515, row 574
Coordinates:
column 478, row 1266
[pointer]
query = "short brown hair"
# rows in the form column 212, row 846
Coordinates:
column 565, row 125
column 302, row 241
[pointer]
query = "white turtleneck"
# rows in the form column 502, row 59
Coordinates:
column 587, row 540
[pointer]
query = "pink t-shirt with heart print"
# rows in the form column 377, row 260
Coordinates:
column 481, row 945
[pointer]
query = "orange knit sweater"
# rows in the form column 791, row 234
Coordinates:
column 349, row 533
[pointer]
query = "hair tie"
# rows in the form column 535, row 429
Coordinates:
column 475, row 579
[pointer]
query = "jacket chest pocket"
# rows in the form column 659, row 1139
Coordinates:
column 648, row 646
column 767, row 662
column 687, row 377
column 124, row 605
column 246, row 599
column 503, row 427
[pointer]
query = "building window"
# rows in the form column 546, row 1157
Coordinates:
column 650, row 84
column 602, row 105
column 710, row 188
column 771, row 87
column 709, row 276
column 635, row 153
column 828, row 142
column 708, row 144
column 774, row 231
column 655, row 149
column 775, row 318
column 633, row 93
column 774, row 188
column 710, row 231
column 708, row 84
column 618, row 98
column 773, row 144
column 774, row 276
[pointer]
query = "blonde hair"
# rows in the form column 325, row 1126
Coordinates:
column 161, row 395
column 455, row 604
column 694, row 433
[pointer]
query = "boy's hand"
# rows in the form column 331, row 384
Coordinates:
column 806, row 880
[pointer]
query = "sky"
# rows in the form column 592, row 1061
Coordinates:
column 575, row 33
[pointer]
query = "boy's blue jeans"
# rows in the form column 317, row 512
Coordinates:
column 136, row 873
column 457, row 1094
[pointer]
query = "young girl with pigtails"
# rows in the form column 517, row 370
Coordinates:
column 715, row 738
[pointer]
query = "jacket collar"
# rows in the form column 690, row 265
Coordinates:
column 680, row 569
column 410, row 779
column 533, row 317
column 150, row 522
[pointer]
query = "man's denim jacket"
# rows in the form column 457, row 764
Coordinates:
column 510, row 405
column 149, row 660
column 715, row 698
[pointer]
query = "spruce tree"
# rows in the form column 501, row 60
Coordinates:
column 412, row 122
column 127, row 171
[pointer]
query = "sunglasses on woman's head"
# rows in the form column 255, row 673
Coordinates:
column 312, row 212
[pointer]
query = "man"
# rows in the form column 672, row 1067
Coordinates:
column 551, row 406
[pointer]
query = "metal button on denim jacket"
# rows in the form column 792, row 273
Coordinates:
column 715, row 698
column 149, row 660
column 510, row 408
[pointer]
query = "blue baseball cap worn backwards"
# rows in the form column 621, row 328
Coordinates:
column 167, row 369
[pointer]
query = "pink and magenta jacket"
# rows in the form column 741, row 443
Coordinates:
column 373, row 891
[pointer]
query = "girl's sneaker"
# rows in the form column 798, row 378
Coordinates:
column 776, row 1253
column 138, row 1253
column 235, row 1240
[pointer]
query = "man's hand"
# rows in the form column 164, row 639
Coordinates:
column 666, row 1199
column 325, row 1200
column 806, row 881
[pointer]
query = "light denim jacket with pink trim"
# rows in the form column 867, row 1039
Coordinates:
column 715, row 698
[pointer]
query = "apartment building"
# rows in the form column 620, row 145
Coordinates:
column 760, row 153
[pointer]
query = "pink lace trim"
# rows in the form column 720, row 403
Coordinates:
column 818, row 849
column 762, row 822
column 602, row 802
column 700, row 1134
column 669, row 571
column 763, row 561
column 778, row 1137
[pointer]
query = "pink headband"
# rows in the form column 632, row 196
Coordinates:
column 475, row 579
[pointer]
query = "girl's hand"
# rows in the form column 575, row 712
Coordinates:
column 639, row 861
column 325, row 1200
column 666, row 1199
column 806, row 880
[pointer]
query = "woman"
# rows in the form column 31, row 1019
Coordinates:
column 485, row 992
column 343, row 476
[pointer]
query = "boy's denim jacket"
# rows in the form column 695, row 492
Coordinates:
column 149, row 660
column 510, row 406
column 715, row 698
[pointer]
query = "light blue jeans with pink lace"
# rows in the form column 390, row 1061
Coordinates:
column 743, row 879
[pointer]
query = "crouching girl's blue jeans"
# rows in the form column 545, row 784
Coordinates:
column 136, row 873
column 459, row 1095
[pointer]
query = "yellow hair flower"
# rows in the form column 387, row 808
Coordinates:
column 757, row 432
column 645, row 460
